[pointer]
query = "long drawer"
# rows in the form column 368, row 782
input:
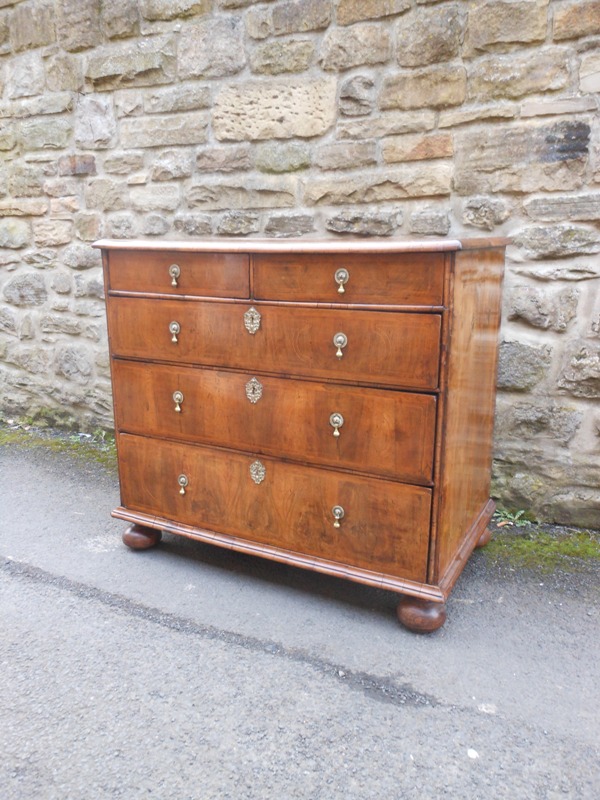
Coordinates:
column 384, row 527
column 384, row 432
column 395, row 349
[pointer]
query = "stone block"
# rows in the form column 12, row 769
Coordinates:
column 429, row 222
column 25, row 76
column 540, row 308
column 122, row 226
column 105, row 194
column 120, row 18
column 485, row 212
column 494, row 24
column 165, row 197
column 138, row 63
column 55, row 103
column 224, row 159
column 52, row 232
column 64, row 73
column 45, row 134
column 522, row 366
column 351, row 11
column 238, row 223
column 83, row 164
column 557, row 106
column 181, row 97
column 429, row 36
column 276, row 57
column 171, row 9
column 32, row 25
column 580, row 373
column 434, row 87
column 8, row 321
column 297, row 16
column 466, row 114
column 61, row 283
column 513, row 76
column 123, row 163
column 365, row 44
column 23, row 207
column 279, row 157
column 25, row 180
column 172, row 164
column 8, row 139
column 78, row 24
column 581, row 18
column 165, row 131
column 417, row 147
column 89, row 226
column 193, row 224
column 80, row 257
column 95, row 123
column 389, row 186
column 258, row 22
column 389, row 124
column 61, row 187
column 14, row 233
column 4, row 38
column 60, row 323
column 45, row 258
column 582, row 207
column 345, row 155
column 557, row 241
column 211, row 48
column 74, row 363
column 550, row 420
column 357, row 96
column 284, row 225
column 589, row 73
column 155, row 225
column 275, row 110
column 26, row 289
column 365, row 223
column 255, row 194
column 521, row 158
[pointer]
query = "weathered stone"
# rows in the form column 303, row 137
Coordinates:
column 581, row 370
column 171, row 9
column 74, row 364
column 27, row 289
column 249, row 194
column 89, row 285
column 155, row 225
column 392, row 185
column 45, row 134
column 32, row 25
column 7, row 136
column 466, row 114
column 60, row 323
column 211, row 48
column 77, row 165
column 61, row 283
column 274, row 110
column 575, row 272
column 105, row 194
column 522, row 366
column 522, row 158
column 80, row 256
column 581, row 18
column 165, row 197
column 52, row 232
column 172, row 164
column 389, row 124
column 61, row 187
column 14, row 233
column 4, row 38
column 357, row 96
column 89, row 226
column 238, row 223
column 25, row 180
column 47, row 104
column 434, row 87
column 557, row 241
column 350, row 11
column 123, row 163
column 122, row 226
column 543, row 309
column 64, row 73
column 95, row 123
column 485, row 212
column 120, row 18
column 128, row 102
column 583, row 207
column 548, row 419
column 64, row 207
column 556, row 106
column 8, row 321
column 25, row 76
column 589, row 73
column 194, row 224
column 495, row 23
column 513, row 76
column 23, row 207
column 429, row 36
column 429, row 222
column 181, row 97
column 345, row 155
column 365, row 223
column 297, row 16
column 165, row 131
column 276, row 57
column 45, row 258
column 139, row 63
column 31, row 359
column 224, row 159
column 78, row 24
column 362, row 44
column 283, row 225
column 259, row 23
column 278, row 157
column 417, row 147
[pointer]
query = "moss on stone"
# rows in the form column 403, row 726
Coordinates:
column 545, row 551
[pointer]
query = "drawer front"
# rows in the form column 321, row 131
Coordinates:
column 382, row 432
column 378, row 347
column 195, row 274
column 385, row 526
column 399, row 279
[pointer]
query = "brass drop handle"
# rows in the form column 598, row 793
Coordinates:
column 178, row 400
column 174, row 272
column 174, row 329
column 338, row 516
column 182, row 480
column 340, row 340
column 336, row 421
column 341, row 277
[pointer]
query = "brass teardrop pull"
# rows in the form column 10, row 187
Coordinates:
column 178, row 400
column 174, row 272
column 340, row 340
column 338, row 516
column 336, row 421
column 174, row 328
column 183, row 482
column 341, row 277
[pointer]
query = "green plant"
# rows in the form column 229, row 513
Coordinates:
column 505, row 517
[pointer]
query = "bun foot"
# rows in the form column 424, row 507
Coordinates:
column 137, row 537
column 421, row 616
column 484, row 538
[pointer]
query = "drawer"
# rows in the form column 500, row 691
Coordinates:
column 385, row 527
column 196, row 274
column 385, row 348
column 383, row 432
column 410, row 279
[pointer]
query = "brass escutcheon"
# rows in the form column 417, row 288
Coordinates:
column 178, row 400
column 338, row 516
column 183, row 482
column 174, row 329
column 340, row 340
column 174, row 272
column 257, row 472
column 254, row 390
column 252, row 320
column 341, row 277
column 336, row 421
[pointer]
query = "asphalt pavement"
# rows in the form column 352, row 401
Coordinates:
column 191, row 673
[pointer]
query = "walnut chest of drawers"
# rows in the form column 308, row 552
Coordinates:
column 328, row 405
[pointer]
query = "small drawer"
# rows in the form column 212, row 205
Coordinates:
column 382, row 526
column 178, row 273
column 403, row 279
column 381, row 432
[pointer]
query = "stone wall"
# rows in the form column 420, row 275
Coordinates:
column 189, row 118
